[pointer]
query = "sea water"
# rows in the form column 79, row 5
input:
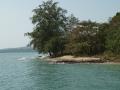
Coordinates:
column 23, row 71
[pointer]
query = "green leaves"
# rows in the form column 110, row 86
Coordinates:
column 49, row 21
column 57, row 34
column 113, row 35
column 113, row 41
column 85, row 39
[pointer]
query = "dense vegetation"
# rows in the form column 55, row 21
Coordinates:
column 58, row 34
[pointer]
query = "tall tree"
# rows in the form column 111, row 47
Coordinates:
column 48, row 33
column 113, row 35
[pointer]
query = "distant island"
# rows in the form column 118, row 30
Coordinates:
column 20, row 49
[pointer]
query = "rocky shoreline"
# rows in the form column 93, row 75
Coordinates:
column 72, row 60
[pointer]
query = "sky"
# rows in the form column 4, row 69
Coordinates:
column 15, row 16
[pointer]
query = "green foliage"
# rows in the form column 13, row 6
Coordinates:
column 113, row 41
column 86, row 39
column 113, row 35
column 82, row 48
column 56, row 45
column 115, row 22
column 49, row 21
column 71, row 23
column 57, row 34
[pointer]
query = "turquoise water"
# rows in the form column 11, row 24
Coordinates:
column 21, row 71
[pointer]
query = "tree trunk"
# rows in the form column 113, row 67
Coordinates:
column 50, row 54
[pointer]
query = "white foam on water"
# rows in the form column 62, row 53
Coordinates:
column 32, row 57
column 26, row 58
column 22, row 58
column 43, row 56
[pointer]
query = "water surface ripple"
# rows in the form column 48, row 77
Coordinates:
column 21, row 71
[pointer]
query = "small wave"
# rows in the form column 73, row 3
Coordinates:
column 23, row 58
column 42, row 56
column 32, row 58
column 26, row 58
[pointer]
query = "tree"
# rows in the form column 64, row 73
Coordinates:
column 48, row 33
column 72, row 22
column 86, row 39
column 113, row 35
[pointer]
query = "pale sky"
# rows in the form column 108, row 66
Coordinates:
column 15, row 16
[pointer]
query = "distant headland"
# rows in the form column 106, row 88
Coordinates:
column 20, row 49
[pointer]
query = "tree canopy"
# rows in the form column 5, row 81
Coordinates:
column 48, row 34
column 113, row 35
column 85, row 39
